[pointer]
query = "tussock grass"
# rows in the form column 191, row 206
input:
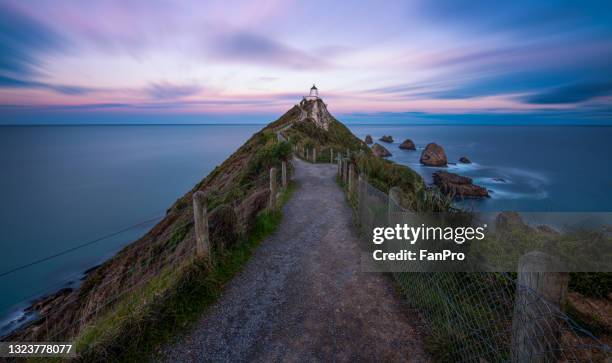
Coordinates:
column 144, row 319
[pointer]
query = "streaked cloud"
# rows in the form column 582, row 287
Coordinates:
column 23, row 40
column 571, row 93
column 166, row 90
column 8, row 82
column 252, row 48
column 238, row 56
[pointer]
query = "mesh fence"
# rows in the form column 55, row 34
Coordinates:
column 479, row 316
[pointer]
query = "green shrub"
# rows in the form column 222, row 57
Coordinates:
column 269, row 155
column 592, row 284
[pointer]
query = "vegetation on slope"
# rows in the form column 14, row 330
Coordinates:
column 142, row 281
column 131, row 331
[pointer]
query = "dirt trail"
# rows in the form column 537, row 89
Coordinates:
column 302, row 296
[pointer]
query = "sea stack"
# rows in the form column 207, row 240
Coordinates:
column 387, row 138
column 433, row 155
column 407, row 145
column 380, row 151
column 368, row 139
column 464, row 160
column 460, row 186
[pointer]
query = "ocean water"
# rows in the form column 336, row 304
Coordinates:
column 63, row 186
column 526, row 168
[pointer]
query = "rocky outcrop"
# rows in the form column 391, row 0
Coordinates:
column 433, row 155
column 368, row 139
column 387, row 138
column 464, row 160
column 316, row 111
column 407, row 145
column 513, row 222
column 43, row 305
column 380, row 151
column 510, row 221
column 457, row 185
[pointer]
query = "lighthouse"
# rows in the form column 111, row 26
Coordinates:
column 314, row 93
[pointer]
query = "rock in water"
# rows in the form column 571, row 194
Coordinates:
column 458, row 185
column 465, row 160
column 387, row 138
column 407, row 145
column 368, row 139
column 380, row 151
column 510, row 221
column 433, row 155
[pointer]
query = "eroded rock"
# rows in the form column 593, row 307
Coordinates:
column 380, row 151
column 407, row 145
column 460, row 186
column 433, row 155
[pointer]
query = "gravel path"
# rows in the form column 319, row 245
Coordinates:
column 302, row 296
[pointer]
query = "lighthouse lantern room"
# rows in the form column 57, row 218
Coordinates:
column 314, row 93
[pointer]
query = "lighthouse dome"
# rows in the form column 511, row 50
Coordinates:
column 314, row 92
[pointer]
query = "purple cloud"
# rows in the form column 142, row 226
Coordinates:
column 249, row 47
column 22, row 41
column 10, row 82
column 166, row 90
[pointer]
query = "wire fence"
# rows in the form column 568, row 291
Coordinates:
column 70, row 311
column 475, row 316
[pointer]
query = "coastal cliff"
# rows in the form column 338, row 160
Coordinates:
column 148, row 269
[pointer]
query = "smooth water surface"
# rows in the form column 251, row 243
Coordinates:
column 62, row 186
column 526, row 168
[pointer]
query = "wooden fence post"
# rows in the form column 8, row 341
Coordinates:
column 351, row 180
column 273, row 190
column 338, row 156
column 331, row 156
column 284, row 173
column 360, row 192
column 346, row 171
column 200, row 219
column 540, row 295
column 393, row 204
column 314, row 155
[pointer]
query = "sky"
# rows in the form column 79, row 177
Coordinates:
column 141, row 61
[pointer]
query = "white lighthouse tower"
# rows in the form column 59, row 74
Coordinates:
column 314, row 93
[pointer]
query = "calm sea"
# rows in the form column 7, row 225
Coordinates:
column 64, row 186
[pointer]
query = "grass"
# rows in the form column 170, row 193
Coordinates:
column 437, row 296
column 155, row 313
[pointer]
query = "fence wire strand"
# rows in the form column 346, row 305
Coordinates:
column 127, row 281
column 478, row 316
